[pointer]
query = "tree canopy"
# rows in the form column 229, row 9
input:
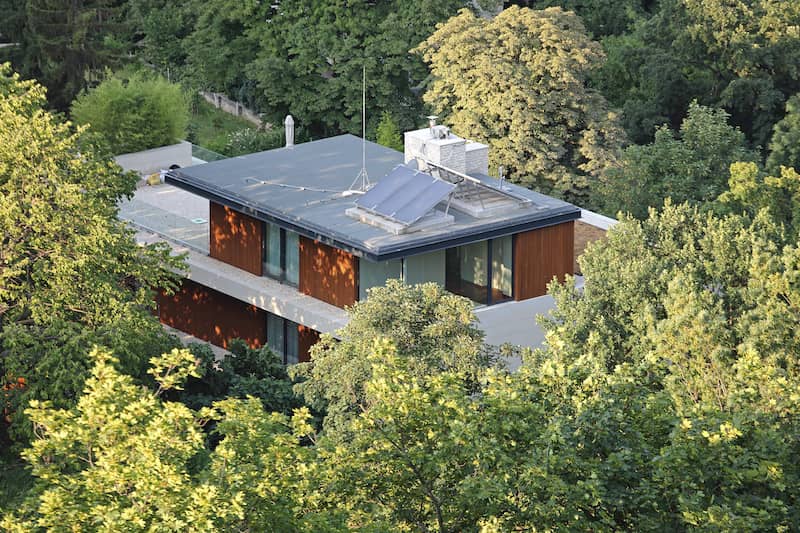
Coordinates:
column 694, row 166
column 518, row 83
column 71, row 274
column 428, row 325
column 133, row 111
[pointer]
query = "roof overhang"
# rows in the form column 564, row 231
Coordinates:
column 336, row 239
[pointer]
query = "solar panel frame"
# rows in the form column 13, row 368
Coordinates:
column 405, row 195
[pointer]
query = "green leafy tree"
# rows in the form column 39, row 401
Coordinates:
column 124, row 458
column 693, row 167
column 71, row 274
column 646, row 81
column 249, row 140
column 784, row 147
column 752, row 191
column 222, row 43
column 160, row 29
column 518, row 83
column 314, row 71
column 601, row 17
column 431, row 327
column 388, row 134
column 133, row 112
column 681, row 341
column 245, row 372
column 68, row 45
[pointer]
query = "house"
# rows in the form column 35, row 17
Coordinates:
column 280, row 242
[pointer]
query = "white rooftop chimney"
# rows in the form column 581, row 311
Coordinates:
column 289, row 124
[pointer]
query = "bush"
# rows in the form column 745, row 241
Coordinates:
column 133, row 112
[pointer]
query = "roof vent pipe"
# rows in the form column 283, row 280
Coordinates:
column 432, row 124
column 289, row 124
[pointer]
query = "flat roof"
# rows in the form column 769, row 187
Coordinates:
column 300, row 188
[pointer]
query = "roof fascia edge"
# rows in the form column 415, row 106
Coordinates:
column 391, row 252
column 318, row 234
column 479, row 236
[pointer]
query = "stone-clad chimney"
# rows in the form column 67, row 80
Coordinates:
column 438, row 145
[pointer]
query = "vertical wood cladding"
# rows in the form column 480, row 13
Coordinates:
column 327, row 273
column 306, row 338
column 539, row 255
column 235, row 238
column 212, row 316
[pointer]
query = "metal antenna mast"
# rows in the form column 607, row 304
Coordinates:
column 362, row 175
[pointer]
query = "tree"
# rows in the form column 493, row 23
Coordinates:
column 601, row 17
column 245, row 372
column 123, row 458
column 315, row 72
column 133, row 112
column 784, row 147
column 431, row 327
column 693, row 167
column 751, row 191
column 518, row 83
column 221, row 44
column 160, row 32
column 71, row 274
column 67, row 45
column 389, row 133
column 686, row 318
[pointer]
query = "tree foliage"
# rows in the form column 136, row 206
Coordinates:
column 67, row 45
column 123, row 458
column 784, row 147
column 388, row 134
column 71, row 274
column 134, row 111
column 314, row 71
column 518, row 83
column 429, row 326
column 692, row 167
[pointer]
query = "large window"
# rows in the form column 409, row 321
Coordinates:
column 502, row 268
column 282, row 338
column 281, row 254
column 481, row 271
column 371, row 274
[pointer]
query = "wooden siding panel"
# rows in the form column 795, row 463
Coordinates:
column 327, row 273
column 235, row 238
column 306, row 338
column 539, row 255
column 212, row 316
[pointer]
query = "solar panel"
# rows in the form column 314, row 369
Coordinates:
column 405, row 195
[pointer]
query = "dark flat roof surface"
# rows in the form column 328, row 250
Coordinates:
column 299, row 188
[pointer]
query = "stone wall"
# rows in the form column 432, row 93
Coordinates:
column 220, row 101
column 591, row 227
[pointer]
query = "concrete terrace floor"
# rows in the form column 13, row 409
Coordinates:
column 166, row 213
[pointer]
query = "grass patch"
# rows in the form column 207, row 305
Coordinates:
column 209, row 127
column 15, row 480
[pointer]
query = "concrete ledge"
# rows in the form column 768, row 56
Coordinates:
column 597, row 220
column 155, row 159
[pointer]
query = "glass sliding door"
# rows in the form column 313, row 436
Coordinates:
column 481, row 271
column 281, row 254
column 272, row 250
column 283, row 338
column 292, row 257
column 502, row 269
column 467, row 271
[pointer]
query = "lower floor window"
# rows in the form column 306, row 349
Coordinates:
column 282, row 338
